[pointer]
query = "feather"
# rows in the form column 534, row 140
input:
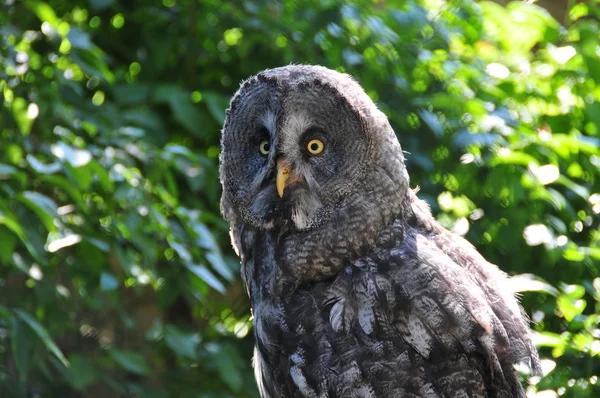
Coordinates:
column 356, row 290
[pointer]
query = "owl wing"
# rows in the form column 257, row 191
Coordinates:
column 499, row 297
column 450, row 314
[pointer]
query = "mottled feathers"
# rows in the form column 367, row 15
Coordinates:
column 356, row 291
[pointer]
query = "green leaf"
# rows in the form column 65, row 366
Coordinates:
column 23, row 346
column 189, row 115
column 548, row 339
column 227, row 366
column 570, row 308
column 205, row 239
column 183, row 344
column 99, row 5
column 42, row 167
column 583, row 342
column 574, row 254
column 432, row 121
column 67, row 186
column 79, row 39
column 217, row 104
column 19, row 110
column 44, row 12
column 41, row 205
column 108, row 282
column 82, row 372
column 574, row 292
column 7, row 248
column 531, row 283
column 207, row 276
column 83, row 176
column 41, row 332
column 93, row 63
column 131, row 94
column 181, row 250
column 194, row 119
column 218, row 264
column 7, row 171
column 103, row 176
column 75, row 157
column 7, row 218
column 131, row 361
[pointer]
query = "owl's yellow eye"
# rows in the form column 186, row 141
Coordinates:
column 315, row 146
column 265, row 147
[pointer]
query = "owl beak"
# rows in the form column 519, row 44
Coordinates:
column 285, row 176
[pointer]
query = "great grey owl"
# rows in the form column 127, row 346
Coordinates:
column 356, row 290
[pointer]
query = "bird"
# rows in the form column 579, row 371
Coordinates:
column 355, row 289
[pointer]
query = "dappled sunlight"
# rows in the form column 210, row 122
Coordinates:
column 117, row 273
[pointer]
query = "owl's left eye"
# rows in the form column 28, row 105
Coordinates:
column 265, row 147
column 315, row 146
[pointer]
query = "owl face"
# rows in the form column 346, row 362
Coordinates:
column 304, row 147
column 293, row 148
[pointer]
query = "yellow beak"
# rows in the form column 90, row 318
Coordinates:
column 284, row 176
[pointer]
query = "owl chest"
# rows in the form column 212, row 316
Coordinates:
column 313, row 344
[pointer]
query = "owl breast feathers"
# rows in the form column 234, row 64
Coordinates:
column 356, row 291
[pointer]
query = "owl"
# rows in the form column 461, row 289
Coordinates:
column 356, row 291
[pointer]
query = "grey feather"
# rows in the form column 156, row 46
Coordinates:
column 356, row 290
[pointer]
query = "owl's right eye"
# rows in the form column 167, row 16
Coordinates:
column 265, row 147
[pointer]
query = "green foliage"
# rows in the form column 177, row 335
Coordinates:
column 116, row 273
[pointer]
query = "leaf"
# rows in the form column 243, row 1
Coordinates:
column 19, row 110
column 43, row 168
column 108, row 282
column 217, row 104
column 98, row 243
column 548, row 339
column 514, row 157
column 129, row 94
column 228, row 368
column 44, row 12
column 593, row 252
column 8, row 219
column 102, row 176
column 7, row 248
column 61, row 182
column 218, row 263
column 570, row 308
column 99, row 5
column 189, row 115
column 583, row 342
column 531, row 283
column 580, row 190
column 131, row 361
column 41, row 205
column 75, row 157
column 194, row 119
column 183, row 344
column 92, row 62
column 81, row 372
column 574, row 292
column 181, row 250
column 6, row 171
column 205, row 237
column 574, row 254
column 79, row 39
column 43, row 335
column 82, row 176
column 464, row 139
column 23, row 346
column 207, row 276
column 432, row 121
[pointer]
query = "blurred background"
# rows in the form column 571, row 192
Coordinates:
column 117, row 278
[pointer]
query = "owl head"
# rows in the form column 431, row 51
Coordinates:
column 300, row 144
